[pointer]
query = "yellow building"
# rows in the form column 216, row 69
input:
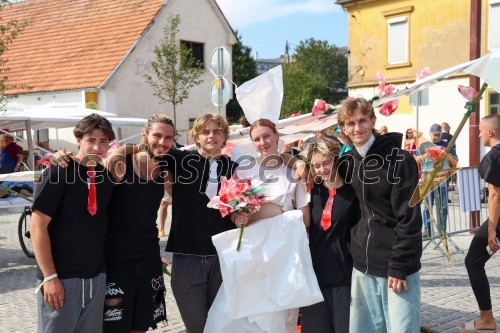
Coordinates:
column 400, row 37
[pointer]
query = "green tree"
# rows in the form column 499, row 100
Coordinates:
column 176, row 70
column 244, row 69
column 318, row 71
column 8, row 33
column 300, row 88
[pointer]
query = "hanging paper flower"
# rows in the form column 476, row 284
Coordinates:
column 468, row 93
column 388, row 108
column 320, row 107
column 426, row 71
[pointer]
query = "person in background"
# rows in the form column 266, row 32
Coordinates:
column 12, row 155
column 243, row 121
column 446, row 136
column 68, row 224
column 410, row 143
column 386, row 244
column 489, row 232
column 435, row 134
column 383, row 130
column 334, row 211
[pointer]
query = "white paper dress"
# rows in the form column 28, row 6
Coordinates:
column 271, row 276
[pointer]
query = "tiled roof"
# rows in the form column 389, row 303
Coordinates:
column 73, row 44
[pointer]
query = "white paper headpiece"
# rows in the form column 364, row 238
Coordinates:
column 261, row 97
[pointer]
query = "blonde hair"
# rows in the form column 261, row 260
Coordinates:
column 330, row 149
column 349, row 107
column 201, row 122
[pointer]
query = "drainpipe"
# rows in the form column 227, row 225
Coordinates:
column 474, row 81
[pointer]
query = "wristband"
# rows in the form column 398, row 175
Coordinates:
column 47, row 279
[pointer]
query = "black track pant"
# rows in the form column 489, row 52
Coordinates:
column 474, row 262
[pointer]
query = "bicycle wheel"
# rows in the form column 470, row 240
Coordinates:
column 25, row 233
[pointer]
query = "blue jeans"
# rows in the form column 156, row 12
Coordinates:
column 441, row 219
column 376, row 309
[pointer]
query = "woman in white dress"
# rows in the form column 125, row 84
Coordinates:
column 271, row 276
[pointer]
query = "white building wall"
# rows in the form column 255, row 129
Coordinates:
column 129, row 95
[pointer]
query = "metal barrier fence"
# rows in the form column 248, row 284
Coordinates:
column 467, row 207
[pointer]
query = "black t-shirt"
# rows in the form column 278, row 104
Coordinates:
column 331, row 257
column 193, row 223
column 132, row 231
column 489, row 168
column 76, row 237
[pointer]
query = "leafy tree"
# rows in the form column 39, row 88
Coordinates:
column 176, row 69
column 8, row 33
column 319, row 71
column 244, row 69
column 300, row 90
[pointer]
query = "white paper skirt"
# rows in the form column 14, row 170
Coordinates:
column 267, row 280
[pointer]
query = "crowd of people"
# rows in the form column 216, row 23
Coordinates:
column 359, row 241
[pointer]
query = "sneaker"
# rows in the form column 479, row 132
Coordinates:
column 425, row 234
column 161, row 233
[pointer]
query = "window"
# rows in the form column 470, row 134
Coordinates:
column 198, row 50
column 397, row 40
column 494, row 24
column 493, row 102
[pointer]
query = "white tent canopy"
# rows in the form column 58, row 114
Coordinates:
column 53, row 117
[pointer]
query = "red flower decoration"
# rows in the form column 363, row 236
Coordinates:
column 236, row 195
column 320, row 107
column 434, row 153
column 388, row 108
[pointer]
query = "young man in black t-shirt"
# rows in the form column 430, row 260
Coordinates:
column 68, row 223
column 196, row 275
column 488, row 234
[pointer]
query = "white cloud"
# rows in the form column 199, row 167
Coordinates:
column 242, row 13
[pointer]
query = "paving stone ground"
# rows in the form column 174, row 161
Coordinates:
column 447, row 299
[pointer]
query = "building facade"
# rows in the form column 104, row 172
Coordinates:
column 95, row 53
column 399, row 38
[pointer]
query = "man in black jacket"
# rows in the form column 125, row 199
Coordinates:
column 386, row 244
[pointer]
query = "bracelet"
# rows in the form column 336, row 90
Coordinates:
column 47, row 279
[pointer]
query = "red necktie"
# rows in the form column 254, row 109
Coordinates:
column 326, row 218
column 92, row 202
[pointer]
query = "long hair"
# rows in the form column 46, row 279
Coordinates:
column 328, row 148
column 156, row 118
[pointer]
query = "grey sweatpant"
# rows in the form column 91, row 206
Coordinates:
column 195, row 283
column 82, row 311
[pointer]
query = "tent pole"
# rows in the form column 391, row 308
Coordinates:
column 29, row 138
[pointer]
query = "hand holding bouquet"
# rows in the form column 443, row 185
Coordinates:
column 237, row 195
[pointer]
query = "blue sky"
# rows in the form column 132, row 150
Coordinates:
column 266, row 25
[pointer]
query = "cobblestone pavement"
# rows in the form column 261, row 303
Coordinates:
column 447, row 299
